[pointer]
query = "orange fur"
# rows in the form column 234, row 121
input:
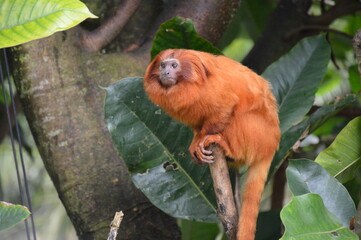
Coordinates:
column 226, row 103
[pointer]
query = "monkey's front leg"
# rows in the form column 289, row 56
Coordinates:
column 211, row 132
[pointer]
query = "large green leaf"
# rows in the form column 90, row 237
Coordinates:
column 23, row 21
column 306, row 176
column 180, row 33
column 306, row 218
column 343, row 157
column 154, row 147
column 11, row 214
column 290, row 137
column 296, row 77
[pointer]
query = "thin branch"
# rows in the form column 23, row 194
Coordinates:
column 342, row 8
column 114, row 226
column 104, row 34
column 316, row 28
column 227, row 211
column 357, row 48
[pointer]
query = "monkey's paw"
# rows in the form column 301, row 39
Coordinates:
column 199, row 151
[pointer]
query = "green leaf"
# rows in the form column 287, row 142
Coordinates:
column 290, row 137
column 306, row 218
column 305, row 176
column 343, row 157
column 296, row 77
column 11, row 214
column 154, row 147
column 180, row 33
column 23, row 21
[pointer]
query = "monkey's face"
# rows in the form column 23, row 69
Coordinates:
column 168, row 71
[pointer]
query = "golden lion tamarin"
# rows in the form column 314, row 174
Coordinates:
column 225, row 103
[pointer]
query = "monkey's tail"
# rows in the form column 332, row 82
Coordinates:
column 252, row 192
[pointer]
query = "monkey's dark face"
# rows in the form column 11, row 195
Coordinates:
column 169, row 69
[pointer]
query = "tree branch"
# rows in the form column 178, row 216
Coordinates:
column 100, row 37
column 226, row 208
column 342, row 8
column 357, row 48
column 316, row 29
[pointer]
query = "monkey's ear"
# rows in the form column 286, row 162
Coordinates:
column 151, row 66
column 203, row 70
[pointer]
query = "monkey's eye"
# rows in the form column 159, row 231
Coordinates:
column 174, row 65
column 162, row 65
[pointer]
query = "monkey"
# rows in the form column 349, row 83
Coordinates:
column 225, row 103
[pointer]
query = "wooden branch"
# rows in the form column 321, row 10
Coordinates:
column 114, row 225
column 357, row 48
column 100, row 37
column 342, row 8
column 226, row 208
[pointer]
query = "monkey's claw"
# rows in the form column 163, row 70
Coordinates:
column 198, row 149
column 203, row 154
